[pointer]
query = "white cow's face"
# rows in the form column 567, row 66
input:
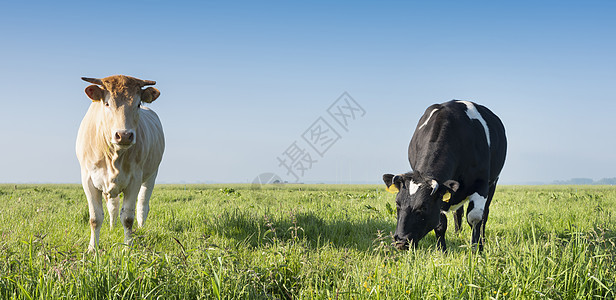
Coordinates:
column 121, row 118
column 120, row 99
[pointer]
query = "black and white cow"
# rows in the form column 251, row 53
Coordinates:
column 457, row 153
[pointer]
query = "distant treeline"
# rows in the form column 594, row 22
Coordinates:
column 579, row 181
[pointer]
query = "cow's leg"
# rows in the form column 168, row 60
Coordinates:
column 143, row 202
column 113, row 207
column 127, row 214
column 440, row 230
column 95, row 207
column 486, row 211
column 457, row 218
column 474, row 215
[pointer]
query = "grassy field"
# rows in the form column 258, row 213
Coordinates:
column 304, row 242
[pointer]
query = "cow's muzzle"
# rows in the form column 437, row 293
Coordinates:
column 403, row 244
column 124, row 138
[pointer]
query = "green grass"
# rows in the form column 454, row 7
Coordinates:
column 304, row 242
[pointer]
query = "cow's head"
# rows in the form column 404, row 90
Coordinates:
column 418, row 205
column 120, row 100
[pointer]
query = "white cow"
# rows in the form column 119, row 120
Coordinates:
column 120, row 145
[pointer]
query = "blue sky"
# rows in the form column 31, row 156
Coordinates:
column 241, row 82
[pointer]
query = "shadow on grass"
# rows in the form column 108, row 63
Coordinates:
column 362, row 235
column 308, row 227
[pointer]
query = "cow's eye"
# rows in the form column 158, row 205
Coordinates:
column 107, row 104
column 139, row 105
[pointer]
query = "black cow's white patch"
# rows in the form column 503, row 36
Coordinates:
column 474, row 114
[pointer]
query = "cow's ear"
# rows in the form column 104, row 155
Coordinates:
column 149, row 95
column 452, row 185
column 95, row 93
column 392, row 182
column 387, row 179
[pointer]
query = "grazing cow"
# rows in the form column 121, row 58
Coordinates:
column 457, row 153
column 120, row 144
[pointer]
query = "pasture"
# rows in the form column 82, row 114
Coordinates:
column 305, row 242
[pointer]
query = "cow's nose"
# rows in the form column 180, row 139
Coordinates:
column 401, row 243
column 124, row 137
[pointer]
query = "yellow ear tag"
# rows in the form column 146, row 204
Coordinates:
column 446, row 197
column 392, row 189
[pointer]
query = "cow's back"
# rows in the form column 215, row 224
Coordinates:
column 447, row 142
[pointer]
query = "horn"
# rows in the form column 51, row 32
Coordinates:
column 434, row 185
column 147, row 82
column 92, row 80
